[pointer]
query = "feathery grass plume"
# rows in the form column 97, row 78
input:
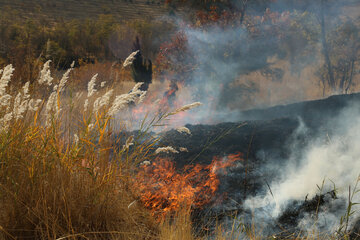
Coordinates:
column 72, row 64
column 51, row 108
column 123, row 100
column 23, row 103
column 103, row 100
column 45, row 74
column 86, row 104
column 167, row 149
column 183, row 130
column 64, row 79
column 26, row 90
column 183, row 149
column 91, row 85
column 146, row 163
column 186, row 108
column 5, row 78
column 51, row 103
column 76, row 139
column 128, row 143
column 5, row 121
column 137, row 86
column 136, row 89
column 5, row 100
column 142, row 97
column 102, row 84
column 129, row 60
column 34, row 104
column 17, row 101
column 19, row 107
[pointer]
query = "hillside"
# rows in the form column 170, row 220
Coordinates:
column 71, row 9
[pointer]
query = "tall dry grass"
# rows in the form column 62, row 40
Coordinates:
column 61, row 177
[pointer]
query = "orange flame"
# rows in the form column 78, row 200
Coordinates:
column 164, row 190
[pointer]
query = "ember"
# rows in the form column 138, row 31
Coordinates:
column 164, row 190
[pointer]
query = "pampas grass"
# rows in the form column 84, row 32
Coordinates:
column 184, row 130
column 45, row 74
column 91, row 85
column 186, row 108
column 102, row 100
column 7, row 73
column 129, row 60
column 167, row 149
column 5, row 100
column 56, row 180
column 122, row 101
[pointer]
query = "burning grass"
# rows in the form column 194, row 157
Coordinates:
column 60, row 175
column 62, row 178
column 164, row 190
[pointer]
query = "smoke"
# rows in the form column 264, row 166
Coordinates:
column 273, row 58
column 234, row 71
column 330, row 161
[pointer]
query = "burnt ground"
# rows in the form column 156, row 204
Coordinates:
column 263, row 136
column 266, row 138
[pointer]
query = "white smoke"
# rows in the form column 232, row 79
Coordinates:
column 332, row 158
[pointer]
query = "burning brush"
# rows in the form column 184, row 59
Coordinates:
column 164, row 190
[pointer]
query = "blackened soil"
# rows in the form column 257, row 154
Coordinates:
column 266, row 138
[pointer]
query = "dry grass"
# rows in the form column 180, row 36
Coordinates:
column 111, row 72
column 58, row 185
column 54, row 186
column 178, row 227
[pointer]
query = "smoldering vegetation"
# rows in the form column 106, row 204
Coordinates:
column 300, row 161
column 298, row 165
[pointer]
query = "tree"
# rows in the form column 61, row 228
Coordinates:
column 343, row 63
column 321, row 23
column 331, row 79
column 340, row 47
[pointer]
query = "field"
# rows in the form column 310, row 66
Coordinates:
column 179, row 120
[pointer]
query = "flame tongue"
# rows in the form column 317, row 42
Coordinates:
column 164, row 190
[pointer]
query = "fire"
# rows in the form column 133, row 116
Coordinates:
column 164, row 190
column 170, row 95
